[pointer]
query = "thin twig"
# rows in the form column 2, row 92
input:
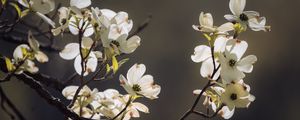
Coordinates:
column 123, row 110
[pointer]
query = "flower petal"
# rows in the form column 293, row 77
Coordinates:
column 201, row 53
column 70, row 51
column 245, row 64
column 135, row 73
column 141, row 107
column 80, row 3
column 131, row 44
column 237, row 6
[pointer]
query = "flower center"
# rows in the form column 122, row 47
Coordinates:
column 116, row 43
column 232, row 62
column 233, row 96
column 244, row 17
column 136, row 87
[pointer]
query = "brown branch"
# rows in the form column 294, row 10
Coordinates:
column 124, row 109
column 142, row 26
column 42, row 92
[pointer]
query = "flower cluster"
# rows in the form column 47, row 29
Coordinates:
column 110, row 103
column 222, row 59
column 24, row 55
column 102, row 36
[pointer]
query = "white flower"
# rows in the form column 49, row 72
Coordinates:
column 232, row 66
column 77, row 23
column 202, row 53
column 246, row 18
column 236, row 96
column 206, row 25
column 123, row 45
column 133, row 109
column 71, row 51
column 139, row 84
column 85, row 97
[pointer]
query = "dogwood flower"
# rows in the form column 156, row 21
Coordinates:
column 133, row 109
column 236, row 96
column 80, row 3
column 71, row 51
column 206, row 25
column 27, row 53
column 232, row 66
column 202, row 53
column 246, row 18
column 85, row 97
column 40, row 8
column 139, row 84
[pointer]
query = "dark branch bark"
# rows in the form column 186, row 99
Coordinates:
column 42, row 92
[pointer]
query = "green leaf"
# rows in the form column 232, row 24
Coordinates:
column 10, row 67
column 107, row 68
column 25, row 12
column 3, row 2
column 207, row 37
column 115, row 64
column 18, row 9
column 121, row 62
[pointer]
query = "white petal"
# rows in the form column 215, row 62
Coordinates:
column 69, row 92
column 226, row 113
column 135, row 73
column 18, row 54
column 197, row 91
column 141, row 107
column 220, row 44
column 63, row 14
column 41, row 57
column 108, row 13
column 201, row 53
column 46, row 19
column 91, row 64
column 237, row 47
column 245, row 64
column 126, row 85
column 237, row 6
column 70, row 51
column 87, row 42
column 251, row 14
column 146, row 82
column 24, row 3
column 131, row 44
column 80, row 3
column 89, row 30
column 43, row 6
column 225, row 27
column 34, row 44
column 73, row 26
column 230, row 18
column 151, row 93
column 258, row 24
column 206, row 19
column 207, row 69
column 30, row 66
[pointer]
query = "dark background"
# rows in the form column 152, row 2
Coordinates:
column 167, row 44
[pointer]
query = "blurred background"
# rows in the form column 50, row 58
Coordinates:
column 166, row 47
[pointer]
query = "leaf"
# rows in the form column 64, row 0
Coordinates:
column 3, row 2
column 121, row 62
column 25, row 12
column 115, row 64
column 207, row 37
column 18, row 9
column 10, row 67
column 107, row 68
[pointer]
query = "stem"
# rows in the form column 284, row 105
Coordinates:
column 124, row 109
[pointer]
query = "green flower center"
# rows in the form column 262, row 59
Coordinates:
column 233, row 96
column 136, row 87
column 231, row 62
column 244, row 17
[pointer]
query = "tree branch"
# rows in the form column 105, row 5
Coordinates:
column 42, row 92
